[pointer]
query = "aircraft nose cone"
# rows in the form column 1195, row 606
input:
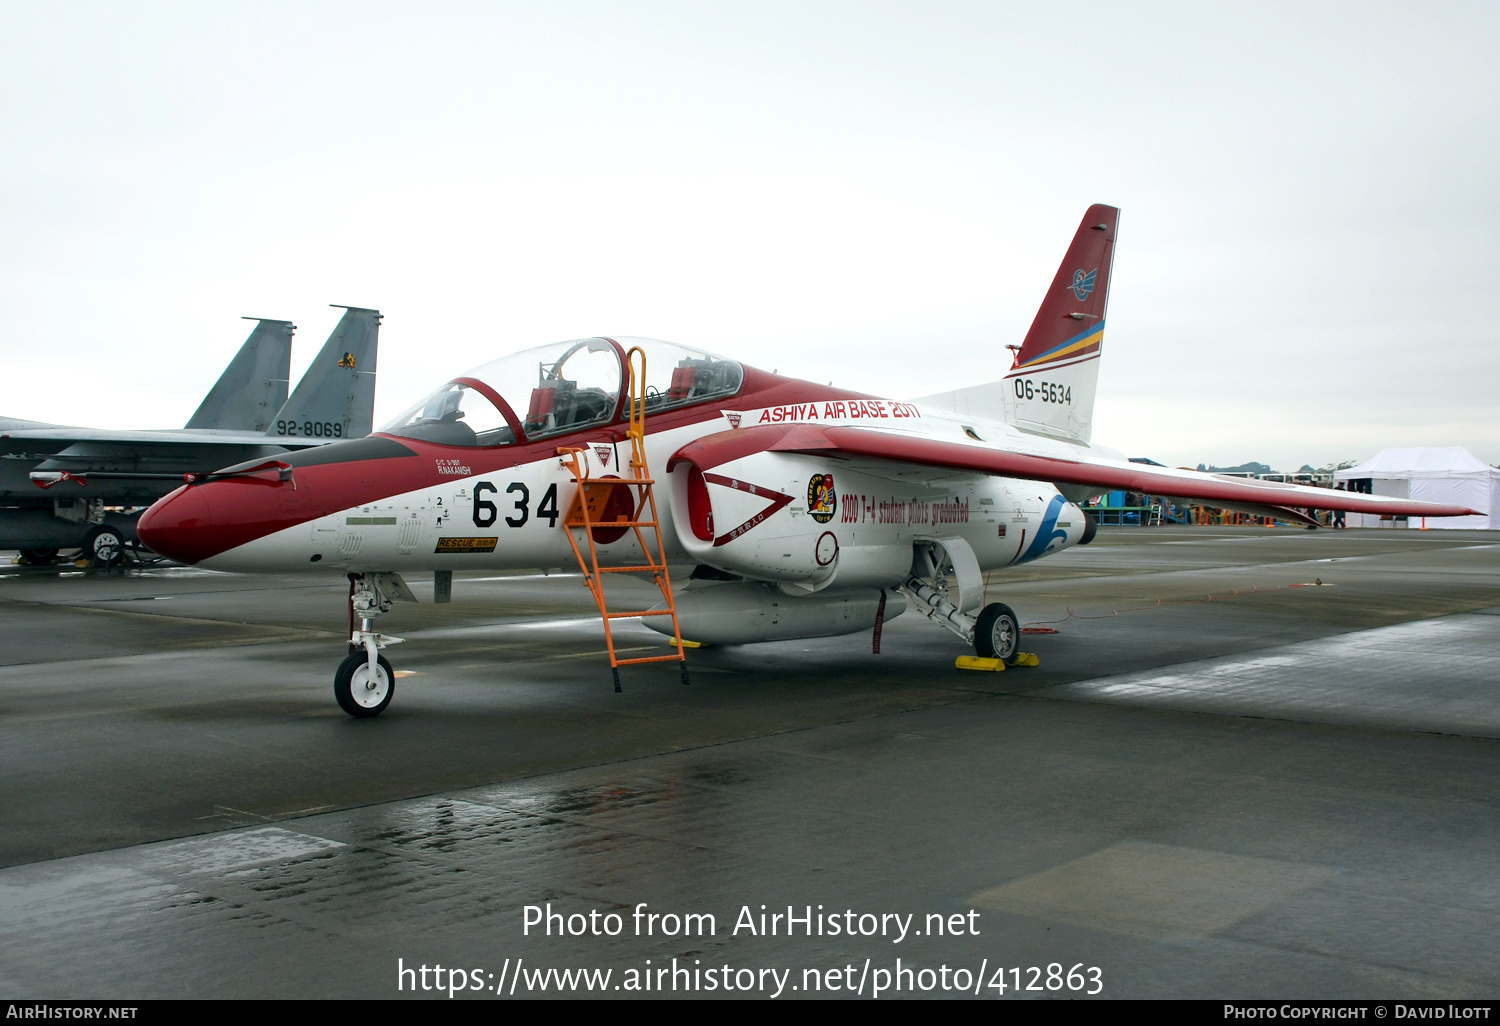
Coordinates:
column 179, row 526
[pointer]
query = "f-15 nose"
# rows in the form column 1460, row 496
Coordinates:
column 180, row 526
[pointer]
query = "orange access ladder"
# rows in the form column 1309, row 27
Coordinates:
column 588, row 513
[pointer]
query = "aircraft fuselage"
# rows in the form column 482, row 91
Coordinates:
column 786, row 518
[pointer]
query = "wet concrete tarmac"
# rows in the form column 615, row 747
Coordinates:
column 1225, row 779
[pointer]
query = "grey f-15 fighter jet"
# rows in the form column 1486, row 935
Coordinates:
column 69, row 487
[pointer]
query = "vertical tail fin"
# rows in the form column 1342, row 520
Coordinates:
column 254, row 385
column 1050, row 387
column 336, row 397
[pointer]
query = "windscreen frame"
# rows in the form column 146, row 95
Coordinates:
column 500, row 404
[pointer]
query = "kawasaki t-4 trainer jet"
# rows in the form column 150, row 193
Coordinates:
column 791, row 509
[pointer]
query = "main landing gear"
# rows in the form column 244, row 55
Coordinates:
column 995, row 632
column 104, row 546
column 365, row 683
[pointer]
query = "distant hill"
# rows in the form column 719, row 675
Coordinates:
column 1243, row 468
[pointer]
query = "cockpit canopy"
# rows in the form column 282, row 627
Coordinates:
column 558, row 389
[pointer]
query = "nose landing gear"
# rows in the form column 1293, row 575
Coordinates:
column 365, row 683
column 359, row 692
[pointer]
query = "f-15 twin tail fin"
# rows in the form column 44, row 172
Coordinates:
column 254, row 385
column 336, row 397
column 1050, row 387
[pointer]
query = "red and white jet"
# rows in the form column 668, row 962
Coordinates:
column 794, row 508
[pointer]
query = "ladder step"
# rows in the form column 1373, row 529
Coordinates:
column 629, row 569
column 613, row 481
column 612, row 523
column 649, row 612
column 674, row 658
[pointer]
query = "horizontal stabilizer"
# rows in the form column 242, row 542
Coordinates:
column 336, row 397
column 254, row 385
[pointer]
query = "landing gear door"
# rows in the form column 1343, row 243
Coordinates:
column 967, row 573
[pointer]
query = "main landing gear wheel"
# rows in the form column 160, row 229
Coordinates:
column 104, row 547
column 997, row 633
column 38, row 557
column 358, row 695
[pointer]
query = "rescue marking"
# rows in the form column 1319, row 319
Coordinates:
column 457, row 545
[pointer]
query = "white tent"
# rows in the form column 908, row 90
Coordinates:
column 1450, row 475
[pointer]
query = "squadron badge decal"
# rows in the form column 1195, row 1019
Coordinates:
column 1083, row 283
column 822, row 500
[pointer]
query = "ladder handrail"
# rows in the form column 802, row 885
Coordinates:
column 636, row 383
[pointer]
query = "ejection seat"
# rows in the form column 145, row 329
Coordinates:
column 543, row 401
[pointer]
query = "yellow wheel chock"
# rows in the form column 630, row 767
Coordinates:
column 995, row 665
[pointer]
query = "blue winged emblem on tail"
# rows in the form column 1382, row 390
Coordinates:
column 1083, row 283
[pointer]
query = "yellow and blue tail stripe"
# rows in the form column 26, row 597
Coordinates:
column 1088, row 340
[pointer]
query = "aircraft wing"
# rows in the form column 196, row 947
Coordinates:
column 125, row 467
column 1265, row 498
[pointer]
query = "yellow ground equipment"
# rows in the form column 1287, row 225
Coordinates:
column 995, row 665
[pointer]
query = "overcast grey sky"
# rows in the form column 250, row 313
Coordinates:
column 873, row 193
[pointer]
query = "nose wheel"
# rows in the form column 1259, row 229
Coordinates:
column 365, row 682
column 359, row 693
